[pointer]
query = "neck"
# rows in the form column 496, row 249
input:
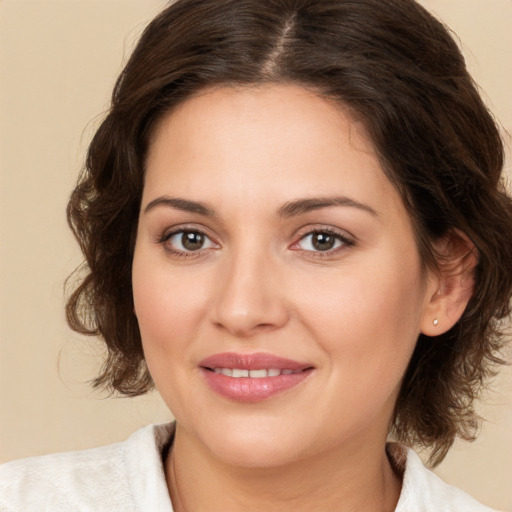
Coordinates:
column 359, row 478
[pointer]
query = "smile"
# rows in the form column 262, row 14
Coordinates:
column 254, row 374
column 252, row 377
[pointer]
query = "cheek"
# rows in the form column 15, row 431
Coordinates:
column 168, row 306
column 367, row 319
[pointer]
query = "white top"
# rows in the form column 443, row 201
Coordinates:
column 129, row 476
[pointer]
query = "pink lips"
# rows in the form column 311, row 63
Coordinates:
column 222, row 371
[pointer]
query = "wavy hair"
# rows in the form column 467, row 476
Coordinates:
column 400, row 72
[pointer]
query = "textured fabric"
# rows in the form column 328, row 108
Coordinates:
column 129, row 477
column 125, row 477
column 423, row 491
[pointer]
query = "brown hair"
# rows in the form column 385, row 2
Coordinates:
column 399, row 71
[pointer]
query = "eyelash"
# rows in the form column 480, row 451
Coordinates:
column 178, row 253
column 345, row 241
column 167, row 235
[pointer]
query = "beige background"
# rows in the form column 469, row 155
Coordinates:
column 58, row 62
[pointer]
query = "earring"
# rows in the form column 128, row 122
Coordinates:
column 436, row 321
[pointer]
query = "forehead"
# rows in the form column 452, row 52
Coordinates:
column 271, row 141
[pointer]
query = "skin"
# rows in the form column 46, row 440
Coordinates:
column 259, row 285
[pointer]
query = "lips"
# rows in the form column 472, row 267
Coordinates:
column 252, row 377
column 254, row 374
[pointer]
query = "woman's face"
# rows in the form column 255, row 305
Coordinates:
column 277, row 283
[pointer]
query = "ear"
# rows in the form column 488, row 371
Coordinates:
column 451, row 285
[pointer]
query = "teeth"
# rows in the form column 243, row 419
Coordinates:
column 254, row 374
column 258, row 374
column 240, row 373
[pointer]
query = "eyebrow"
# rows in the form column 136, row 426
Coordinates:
column 302, row 206
column 180, row 204
column 290, row 209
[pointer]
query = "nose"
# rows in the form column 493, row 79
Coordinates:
column 250, row 296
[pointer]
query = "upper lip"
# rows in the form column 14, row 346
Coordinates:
column 256, row 361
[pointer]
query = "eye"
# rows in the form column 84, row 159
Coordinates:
column 322, row 241
column 185, row 241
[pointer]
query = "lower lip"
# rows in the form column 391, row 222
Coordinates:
column 246, row 389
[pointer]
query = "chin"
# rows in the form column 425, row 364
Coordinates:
column 253, row 442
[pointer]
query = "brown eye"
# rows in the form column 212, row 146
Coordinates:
column 192, row 240
column 323, row 241
column 188, row 241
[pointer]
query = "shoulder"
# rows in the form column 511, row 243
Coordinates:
column 82, row 480
column 96, row 479
column 423, row 491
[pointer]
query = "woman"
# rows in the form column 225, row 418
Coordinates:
column 295, row 229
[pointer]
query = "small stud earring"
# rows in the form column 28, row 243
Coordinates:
column 436, row 321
